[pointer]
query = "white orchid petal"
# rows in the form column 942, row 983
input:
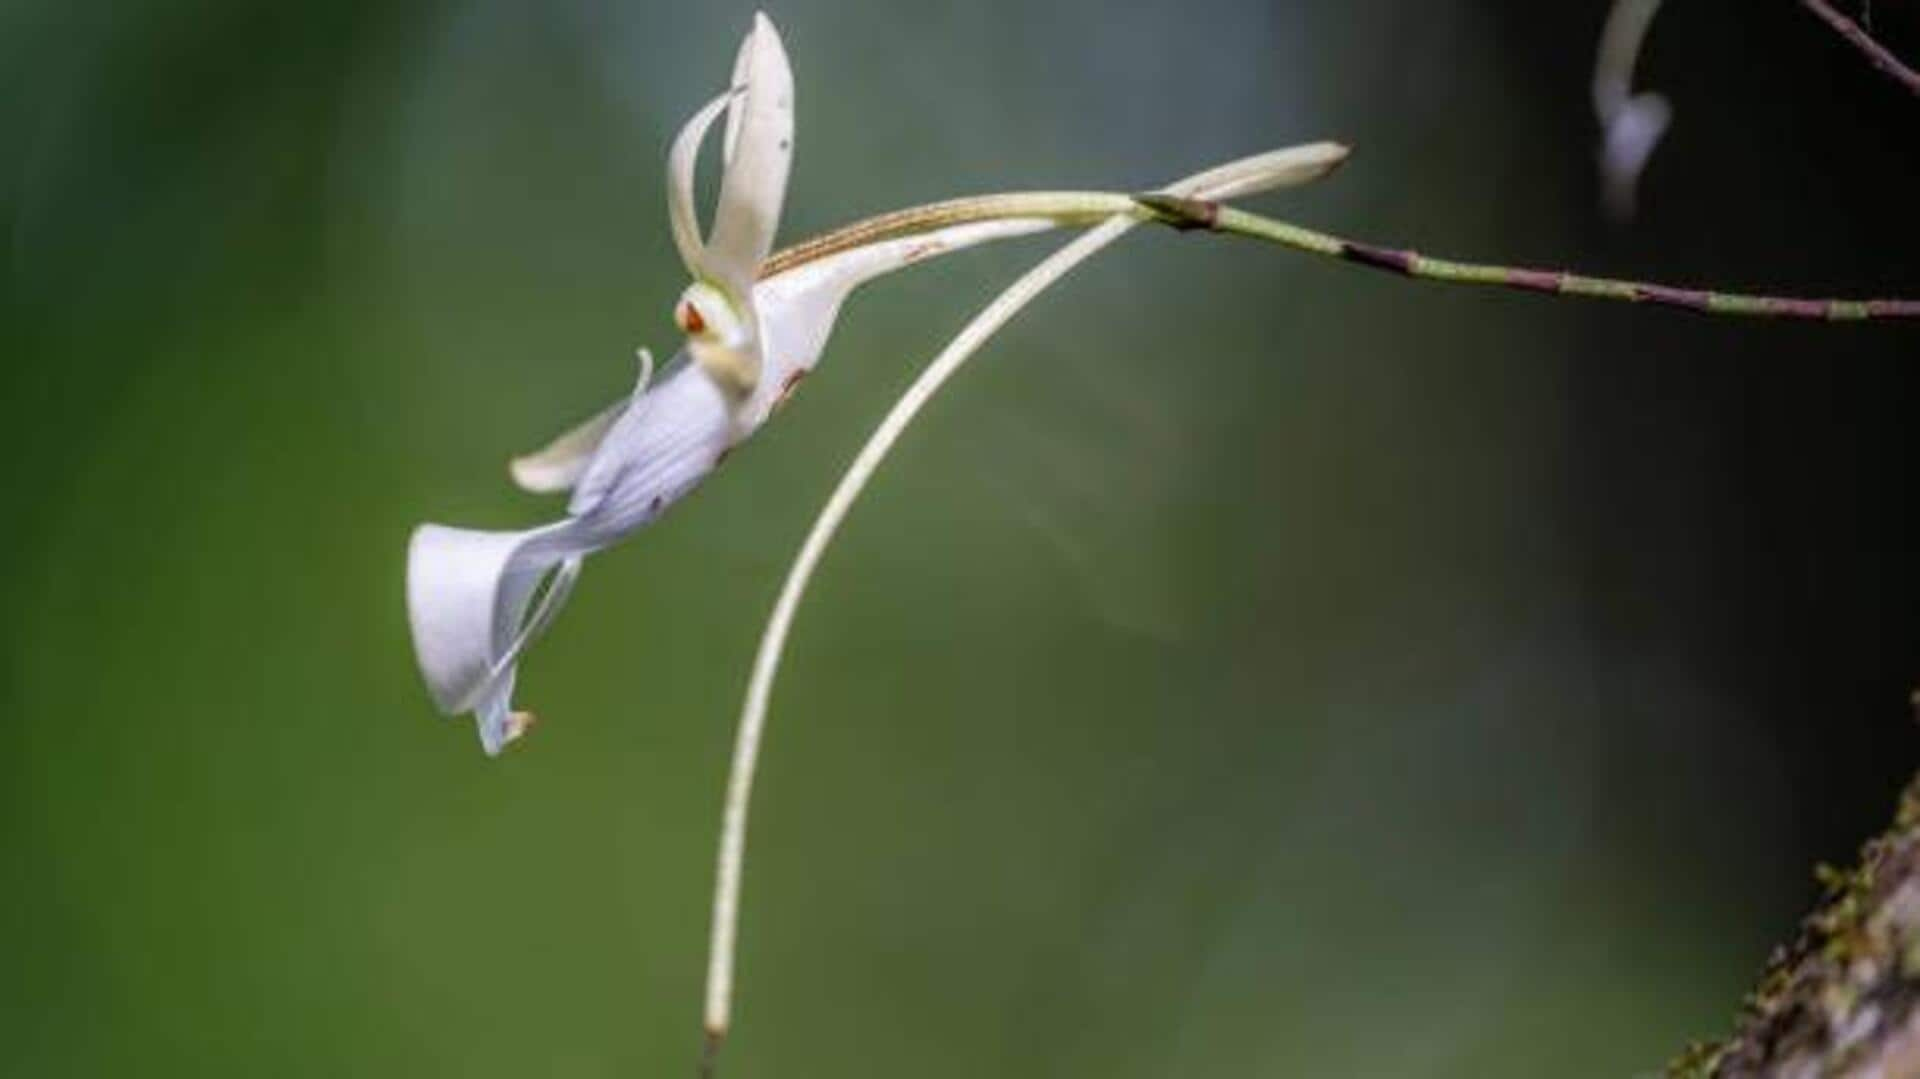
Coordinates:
column 1291, row 167
column 453, row 576
column 557, row 465
column 665, row 443
column 469, row 592
column 798, row 307
column 467, row 596
column 761, row 136
column 530, row 627
column 735, row 112
column 493, row 716
column 493, row 711
column 681, row 161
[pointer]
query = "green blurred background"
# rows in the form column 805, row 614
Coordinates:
column 1253, row 666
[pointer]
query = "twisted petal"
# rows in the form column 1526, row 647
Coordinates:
column 467, row 598
column 759, row 151
column 471, row 595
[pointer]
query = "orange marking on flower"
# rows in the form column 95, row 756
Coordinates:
column 690, row 319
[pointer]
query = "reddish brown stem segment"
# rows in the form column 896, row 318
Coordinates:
column 1877, row 54
column 1199, row 214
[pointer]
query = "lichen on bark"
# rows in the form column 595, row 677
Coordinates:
column 1843, row 1000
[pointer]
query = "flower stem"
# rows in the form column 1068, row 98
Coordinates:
column 1187, row 214
column 1071, row 208
column 1877, row 54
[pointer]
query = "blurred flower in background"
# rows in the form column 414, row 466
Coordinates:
column 1631, row 124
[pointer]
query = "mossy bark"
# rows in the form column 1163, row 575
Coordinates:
column 1843, row 1000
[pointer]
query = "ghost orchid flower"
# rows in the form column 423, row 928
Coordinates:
column 755, row 324
column 471, row 594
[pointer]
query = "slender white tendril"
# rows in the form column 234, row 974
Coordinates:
column 766, row 664
column 1279, row 168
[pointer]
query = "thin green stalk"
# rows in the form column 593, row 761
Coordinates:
column 1071, row 208
column 1188, row 214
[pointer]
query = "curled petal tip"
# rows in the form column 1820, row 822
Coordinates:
column 518, row 724
column 559, row 464
column 759, row 151
column 469, row 595
column 1320, row 159
column 1289, row 167
column 529, row 475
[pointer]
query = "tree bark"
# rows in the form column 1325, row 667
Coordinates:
column 1844, row 999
